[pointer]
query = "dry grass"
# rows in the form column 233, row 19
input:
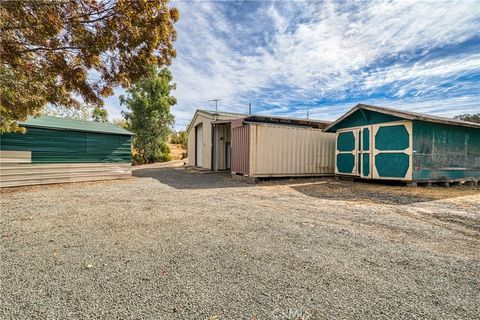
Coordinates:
column 177, row 151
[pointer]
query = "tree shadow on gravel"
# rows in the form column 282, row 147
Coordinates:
column 381, row 194
column 179, row 178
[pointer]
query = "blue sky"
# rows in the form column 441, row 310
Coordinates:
column 287, row 57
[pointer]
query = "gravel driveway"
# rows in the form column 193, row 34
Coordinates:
column 173, row 244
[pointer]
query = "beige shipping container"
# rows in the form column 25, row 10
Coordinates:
column 282, row 151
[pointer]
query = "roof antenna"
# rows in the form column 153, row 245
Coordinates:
column 216, row 103
column 308, row 114
column 249, row 108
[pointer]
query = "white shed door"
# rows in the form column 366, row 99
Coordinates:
column 199, row 145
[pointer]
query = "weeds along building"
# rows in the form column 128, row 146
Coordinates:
column 57, row 150
column 381, row 143
column 260, row 146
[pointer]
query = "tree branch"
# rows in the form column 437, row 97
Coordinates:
column 49, row 49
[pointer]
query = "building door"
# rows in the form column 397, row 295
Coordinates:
column 365, row 153
column 199, row 145
column 346, row 153
column 392, row 151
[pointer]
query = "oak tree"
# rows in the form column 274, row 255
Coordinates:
column 69, row 52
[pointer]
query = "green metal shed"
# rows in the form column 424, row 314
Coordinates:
column 381, row 143
column 55, row 150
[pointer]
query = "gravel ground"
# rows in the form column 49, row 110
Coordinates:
column 173, row 244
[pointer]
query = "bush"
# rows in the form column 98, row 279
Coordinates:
column 160, row 154
column 180, row 137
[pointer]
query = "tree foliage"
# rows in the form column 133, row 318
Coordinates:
column 469, row 117
column 180, row 137
column 122, row 123
column 82, row 112
column 62, row 51
column 149, row 116
column 100, row 115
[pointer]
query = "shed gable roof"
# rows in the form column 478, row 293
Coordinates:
column 56, row 123
column 222, row 113
column 211, row 114
column 401, row 115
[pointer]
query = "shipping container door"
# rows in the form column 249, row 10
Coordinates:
column 240, row 150
column 199, row 145
column 346, row 152
column 392, row 151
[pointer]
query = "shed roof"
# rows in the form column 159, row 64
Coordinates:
column 212, row 113
column 56, row 123
column 222, row 113
column 319, row 124
column 404, row 115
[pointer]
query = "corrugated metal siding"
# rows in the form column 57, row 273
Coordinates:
column 7, row 156
column 55, row 146
column 32, row 174
column 291, row 151
column 241, row 149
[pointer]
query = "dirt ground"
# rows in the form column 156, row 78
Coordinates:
column 177, row 151
column 177, row 244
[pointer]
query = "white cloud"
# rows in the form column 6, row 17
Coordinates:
column 286, row 52
column 446, row 107
column 112, row 104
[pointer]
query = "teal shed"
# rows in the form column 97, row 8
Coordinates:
column 57, row 150
column 382, row 143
